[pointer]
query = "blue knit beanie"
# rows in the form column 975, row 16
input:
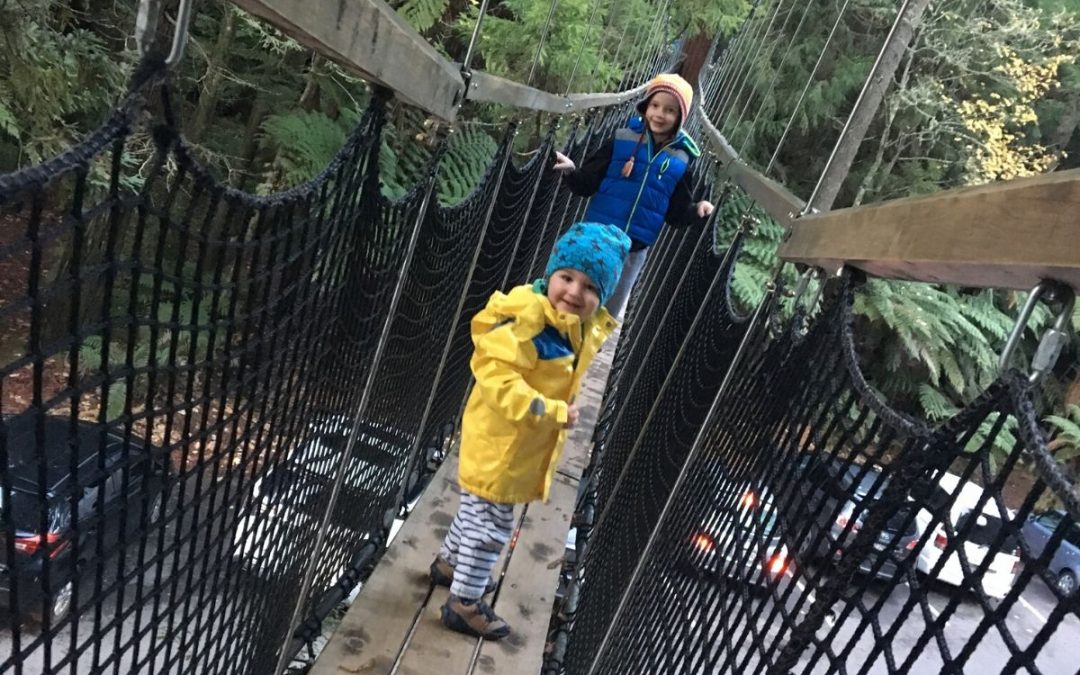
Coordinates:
column 596, row 250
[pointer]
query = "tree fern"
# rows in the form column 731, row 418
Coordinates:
column 306, row 143
column 467, row 159
column 1066, row 433
column 423, row 14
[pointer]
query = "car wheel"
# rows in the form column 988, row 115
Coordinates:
column 59, row 605
column 1066, row 583
column 153, row 512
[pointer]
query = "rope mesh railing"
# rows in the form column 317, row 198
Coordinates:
column 210, row 385
column 819, row 504
column 220, row 401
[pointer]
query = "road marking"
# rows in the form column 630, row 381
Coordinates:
column 933, row 610
column 1031, row 608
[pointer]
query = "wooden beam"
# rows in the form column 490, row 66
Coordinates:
column 775, row 199
column 367, row 37
column 1003, row 235
column 494, row 89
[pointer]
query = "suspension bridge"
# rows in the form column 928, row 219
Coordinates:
column 741, row 498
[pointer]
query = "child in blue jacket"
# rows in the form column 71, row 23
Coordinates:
column 643, row 177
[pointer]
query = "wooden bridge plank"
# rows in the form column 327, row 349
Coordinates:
column 370, row 635
column 1010, row 234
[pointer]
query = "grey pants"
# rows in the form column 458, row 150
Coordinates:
column 476, row 538
column 631, row 269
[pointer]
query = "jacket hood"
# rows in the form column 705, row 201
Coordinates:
column 682, row 139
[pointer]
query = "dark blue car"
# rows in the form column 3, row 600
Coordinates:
column 1065, row 563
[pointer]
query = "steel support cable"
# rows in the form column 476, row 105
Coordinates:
column 764, row 98
column 466, row 64
column 609, row 24
column 826, row 173
column 695, row 450
column 627, row 72
column 749, row 65
column 602, row 518
column 735, row 56
column 711, row 72
column 806, row 88
column 584, row 41
column 358, row 417
column 643, row 54
column 776, row 76
column 507, row 151
column 546, row 222
column 646, row 67
column 749, row 83
column 543, row 38
column 737, row 65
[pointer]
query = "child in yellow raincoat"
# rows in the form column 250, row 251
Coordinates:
column 532, row 347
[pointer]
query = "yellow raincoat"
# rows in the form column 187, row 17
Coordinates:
column 514, row 425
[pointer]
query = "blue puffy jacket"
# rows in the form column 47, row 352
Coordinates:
column 658, row 188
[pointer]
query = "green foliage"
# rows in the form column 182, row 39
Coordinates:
column 48, row 65
column 422, row 14
column 468, row 156
column 1066, row 427
column 305, row 143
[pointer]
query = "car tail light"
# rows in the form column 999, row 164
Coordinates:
column 749, row 499
column 52, row 544
column 912, row 544
column 842, row 521
column 941, row 540
column 704, row 542
column 777, row 564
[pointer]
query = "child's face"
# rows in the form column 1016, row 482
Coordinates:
column 573, row 292
column 662, row 113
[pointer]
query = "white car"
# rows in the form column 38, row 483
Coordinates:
column 984, row 532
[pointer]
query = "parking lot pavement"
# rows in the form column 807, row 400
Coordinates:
column 744, row 625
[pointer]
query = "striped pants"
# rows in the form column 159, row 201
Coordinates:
column 474, row 542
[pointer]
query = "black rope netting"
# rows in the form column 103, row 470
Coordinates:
column 214, row 405
column 815, row 528
column 194, row 375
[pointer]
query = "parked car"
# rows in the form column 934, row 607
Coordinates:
column 69, row 541
column 979, row 529
column 739, row 538
column 1065, row 562
column 895, row 543
column 278, row 526
column 830, row 492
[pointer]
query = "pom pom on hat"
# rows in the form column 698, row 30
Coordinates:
column 596, row 250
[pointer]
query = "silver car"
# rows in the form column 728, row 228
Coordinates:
column 1065, row 564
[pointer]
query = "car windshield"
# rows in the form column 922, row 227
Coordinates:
column 901, row 521
column 984, row 530
column 24, row 510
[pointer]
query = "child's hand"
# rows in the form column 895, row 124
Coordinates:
column 563, row 163
column 572, row 416
column 705, row 209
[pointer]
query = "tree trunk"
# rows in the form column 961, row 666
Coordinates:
column 694, row 52
column 866, row 107
column 871, row 177
column 215, row 75
column 310, row 98
column 250, row 146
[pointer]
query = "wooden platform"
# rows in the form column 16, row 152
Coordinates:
column 394, row 626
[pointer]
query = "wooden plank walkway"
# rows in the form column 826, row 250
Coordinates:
column 393, row 627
